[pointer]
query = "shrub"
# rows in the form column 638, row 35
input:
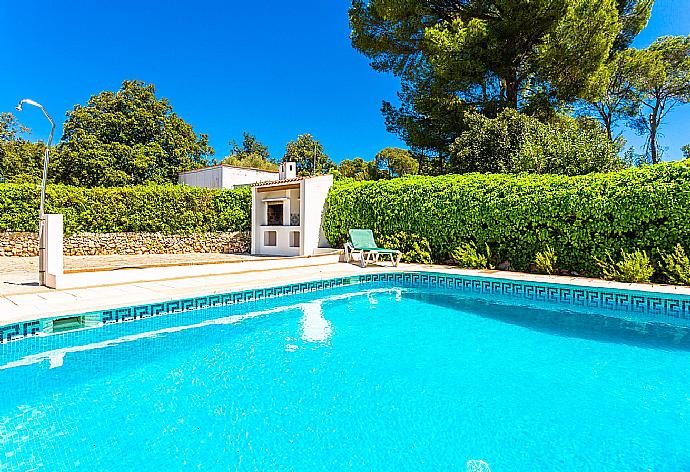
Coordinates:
column 414, row 248
column 546, row 261
column 633, row 267
column 148, row 208
column 581, row 217
column 676, row 266
column 514, row 142
column 467, row 257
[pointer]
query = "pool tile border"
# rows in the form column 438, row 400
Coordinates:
column 627, row 301
column 646, row 303
column 21, row 330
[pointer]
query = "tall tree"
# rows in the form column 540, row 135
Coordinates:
column 128, row 137
column 661, row 78
column 251, row 153
column 617, row 101
column 686, row 151
column 428, row 120
column 396, row 162
column 309, row 155
column 483, row 55
column 609, row 96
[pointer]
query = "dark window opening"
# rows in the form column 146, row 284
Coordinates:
column 275, row 214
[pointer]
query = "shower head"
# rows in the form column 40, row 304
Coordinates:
column 30, row 102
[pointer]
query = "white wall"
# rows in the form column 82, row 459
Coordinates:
column 313, row 205
column 236, row 176
column 208, row 177
column 225, row 177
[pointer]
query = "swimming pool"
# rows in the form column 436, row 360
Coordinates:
column 377, row 373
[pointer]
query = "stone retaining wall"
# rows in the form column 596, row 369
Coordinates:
column 91, row 244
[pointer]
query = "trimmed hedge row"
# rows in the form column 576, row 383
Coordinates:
column 581, row 218
column 153, row 208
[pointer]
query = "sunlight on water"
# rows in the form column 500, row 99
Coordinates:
column 315, row 328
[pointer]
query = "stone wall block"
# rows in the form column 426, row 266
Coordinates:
column 26, row 244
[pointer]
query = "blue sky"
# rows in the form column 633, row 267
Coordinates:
column 276, row 69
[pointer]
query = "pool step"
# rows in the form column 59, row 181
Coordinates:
column 127, row 275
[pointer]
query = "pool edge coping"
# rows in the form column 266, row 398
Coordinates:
column 37, row 325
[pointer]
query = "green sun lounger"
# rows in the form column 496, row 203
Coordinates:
column 362, row 241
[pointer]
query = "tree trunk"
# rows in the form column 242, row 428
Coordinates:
column 608, row 124
column 655, row 118
column 512, row 88
column 653, row 128
column 606, row 118
column 654, row 153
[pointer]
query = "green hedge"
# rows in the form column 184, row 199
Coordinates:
column 154, row 208
column 582, row 218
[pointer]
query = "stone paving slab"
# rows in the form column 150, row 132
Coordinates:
column 20, row 274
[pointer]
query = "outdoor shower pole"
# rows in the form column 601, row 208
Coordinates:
column 41, row 210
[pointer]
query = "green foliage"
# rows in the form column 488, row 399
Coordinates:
column 485, row 56
column 396, row 162
column 414, row 248
column 389, row 163
column 358, row 169
column 250, row 154
column 306, row 151
column 513, row 142
column 467, row 257
column 686, row 151
column 633, row 267
column 633, row 16
column 150, row 208
column 10, row 128
column 581, row 217
column 127, row 137
column 676, row 266
column 546, row 261
column 21, row 161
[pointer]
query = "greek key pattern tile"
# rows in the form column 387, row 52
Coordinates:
column 19, row 330
column 628, row 302
column 177, row 306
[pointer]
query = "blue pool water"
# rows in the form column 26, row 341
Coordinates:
column 352, row 378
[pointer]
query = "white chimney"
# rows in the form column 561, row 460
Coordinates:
column 287, row 170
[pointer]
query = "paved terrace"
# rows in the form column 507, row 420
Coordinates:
column 22, row 299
